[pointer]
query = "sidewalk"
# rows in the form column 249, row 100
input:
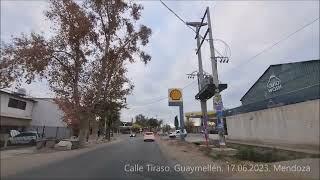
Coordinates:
column 24, row 150
column 4, row 154
column 15, row 161
column 192, row 137
column 304, row 149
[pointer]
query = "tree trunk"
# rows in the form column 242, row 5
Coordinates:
column 95, row 128
column 108, row 133
column 108, row 129
column 105, row 128
column 83, row 132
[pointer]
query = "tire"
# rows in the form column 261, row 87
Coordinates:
column 32, row 142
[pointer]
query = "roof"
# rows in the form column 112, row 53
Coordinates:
column 198, row 113
column 274, row 66
column 44, row 99
column 17, row 96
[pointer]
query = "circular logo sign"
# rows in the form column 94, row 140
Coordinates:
column 175, row 94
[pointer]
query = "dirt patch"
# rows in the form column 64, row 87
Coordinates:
column 263, row 154
column 192, row 154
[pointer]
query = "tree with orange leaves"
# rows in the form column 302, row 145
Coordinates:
column 84, row 60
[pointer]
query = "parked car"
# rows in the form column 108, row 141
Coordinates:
column 177, row 133
column 148, row 136
column 133, row 135
column 28, row 137
column 172, row 135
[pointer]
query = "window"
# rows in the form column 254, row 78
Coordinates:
column 20, row 135
column 24, row 134
column 15, row 103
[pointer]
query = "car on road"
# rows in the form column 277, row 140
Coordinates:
column 133, row 135
column 148, row 136
column 28, row 137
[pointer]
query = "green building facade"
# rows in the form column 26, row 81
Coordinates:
column 282, row 84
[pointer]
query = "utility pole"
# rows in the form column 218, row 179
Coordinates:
column 217, row 100
column 203, row 102
column 181, row 123
column 208, row 88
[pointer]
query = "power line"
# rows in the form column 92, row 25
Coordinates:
column 184, row 22
column 275, row 44
column 189, row 84
column 162, row 98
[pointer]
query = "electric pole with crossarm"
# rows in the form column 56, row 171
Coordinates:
column 209, row 86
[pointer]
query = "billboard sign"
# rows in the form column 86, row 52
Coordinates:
column 175, row 96
column 274, row 84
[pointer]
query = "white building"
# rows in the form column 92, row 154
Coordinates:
column 46, row 113
column 15, row 110
column 27, row 113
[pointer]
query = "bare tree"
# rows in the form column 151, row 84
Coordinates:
column 84, row 61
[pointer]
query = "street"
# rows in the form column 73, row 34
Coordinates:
column 117, row 161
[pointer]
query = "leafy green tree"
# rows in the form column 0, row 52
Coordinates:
column 189, row 124
column 166, row 128
column 176, row 122
column 153, row 123
column 136, row 127
column 141, row 120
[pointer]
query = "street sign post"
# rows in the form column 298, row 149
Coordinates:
column 175, row 99
column 219, row 114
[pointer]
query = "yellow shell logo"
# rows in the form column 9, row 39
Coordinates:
column 175, row 94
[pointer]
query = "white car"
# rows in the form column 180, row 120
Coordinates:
column 172, row 135
column 177, row 134
column 148, row 136
column 29, row 137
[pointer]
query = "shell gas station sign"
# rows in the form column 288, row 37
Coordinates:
column 175, row 97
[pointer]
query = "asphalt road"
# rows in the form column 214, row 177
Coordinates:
column 131, row 158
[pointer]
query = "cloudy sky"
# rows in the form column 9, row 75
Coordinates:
column 248, row 27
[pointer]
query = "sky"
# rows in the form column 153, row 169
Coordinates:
column 248, row 27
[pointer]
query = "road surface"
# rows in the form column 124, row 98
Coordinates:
column 131, row 158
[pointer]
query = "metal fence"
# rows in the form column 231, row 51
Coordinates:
column 51, row 132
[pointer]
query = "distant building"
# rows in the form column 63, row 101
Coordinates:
column 21, row 112
column 125, row 127
column 281, row 108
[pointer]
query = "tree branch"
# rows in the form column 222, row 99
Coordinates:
column 62, row 64
column 60, row 51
